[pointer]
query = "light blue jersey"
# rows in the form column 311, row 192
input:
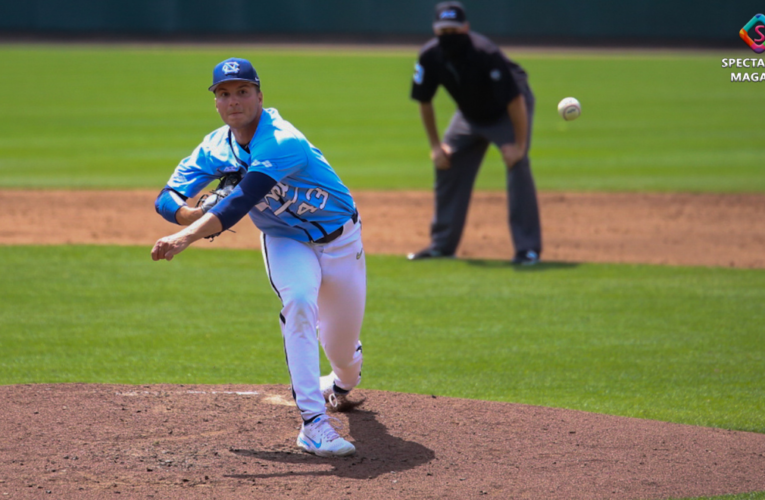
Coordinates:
column 308, row 202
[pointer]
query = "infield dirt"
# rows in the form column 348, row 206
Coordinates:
column 235, row 442
column 673, row 229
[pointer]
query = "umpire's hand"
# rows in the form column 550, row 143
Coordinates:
column 441, row 156
column 512, row 154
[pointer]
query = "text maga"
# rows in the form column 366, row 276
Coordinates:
column 746, row 77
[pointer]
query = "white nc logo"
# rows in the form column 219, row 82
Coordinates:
column 230, row 68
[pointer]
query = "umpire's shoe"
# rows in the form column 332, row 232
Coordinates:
column 429, row 253
column 320, row 438
column 526, row 258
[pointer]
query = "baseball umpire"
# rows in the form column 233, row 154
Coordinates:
column 495, row 105
column 310, row 237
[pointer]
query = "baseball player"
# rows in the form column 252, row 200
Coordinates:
column 495, row 105
column 310, row 237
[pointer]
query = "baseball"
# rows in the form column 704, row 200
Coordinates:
column 569, row 108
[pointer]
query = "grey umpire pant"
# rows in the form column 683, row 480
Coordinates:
column 454, row 186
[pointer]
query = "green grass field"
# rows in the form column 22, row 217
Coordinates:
column 676, row 344
column 123, row 117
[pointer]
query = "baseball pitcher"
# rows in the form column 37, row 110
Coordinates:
column 310, row 237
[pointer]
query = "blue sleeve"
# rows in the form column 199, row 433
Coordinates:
column 280, row 157
column 253, row 187
column 168, row 202
column 199, row 169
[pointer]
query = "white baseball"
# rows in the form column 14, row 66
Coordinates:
column 569, row 108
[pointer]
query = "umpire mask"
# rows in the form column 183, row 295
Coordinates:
column 454, row 45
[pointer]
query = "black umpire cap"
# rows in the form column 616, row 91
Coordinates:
column 449, row 15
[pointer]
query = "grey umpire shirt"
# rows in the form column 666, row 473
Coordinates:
column 482, row 81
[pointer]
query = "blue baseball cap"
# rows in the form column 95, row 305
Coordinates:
column 234, row 68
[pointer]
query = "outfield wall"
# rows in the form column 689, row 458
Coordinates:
column 676, row 20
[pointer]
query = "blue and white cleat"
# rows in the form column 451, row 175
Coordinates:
column 320, row 438
column 337, row 397
column 333, row 395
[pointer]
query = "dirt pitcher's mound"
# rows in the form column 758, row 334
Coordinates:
column 170, row 441
column 675, row 229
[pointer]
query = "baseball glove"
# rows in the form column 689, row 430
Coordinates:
column 227, row 184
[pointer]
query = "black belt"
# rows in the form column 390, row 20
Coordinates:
column 337, row 232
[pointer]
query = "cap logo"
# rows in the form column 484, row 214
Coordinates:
column 448, row 14
column 230, row 68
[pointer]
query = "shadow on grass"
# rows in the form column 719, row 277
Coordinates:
column 378, row 452
column 539, row 267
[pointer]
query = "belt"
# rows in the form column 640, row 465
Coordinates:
column 337, row 232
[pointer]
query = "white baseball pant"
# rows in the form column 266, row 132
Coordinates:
column 321, row 287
